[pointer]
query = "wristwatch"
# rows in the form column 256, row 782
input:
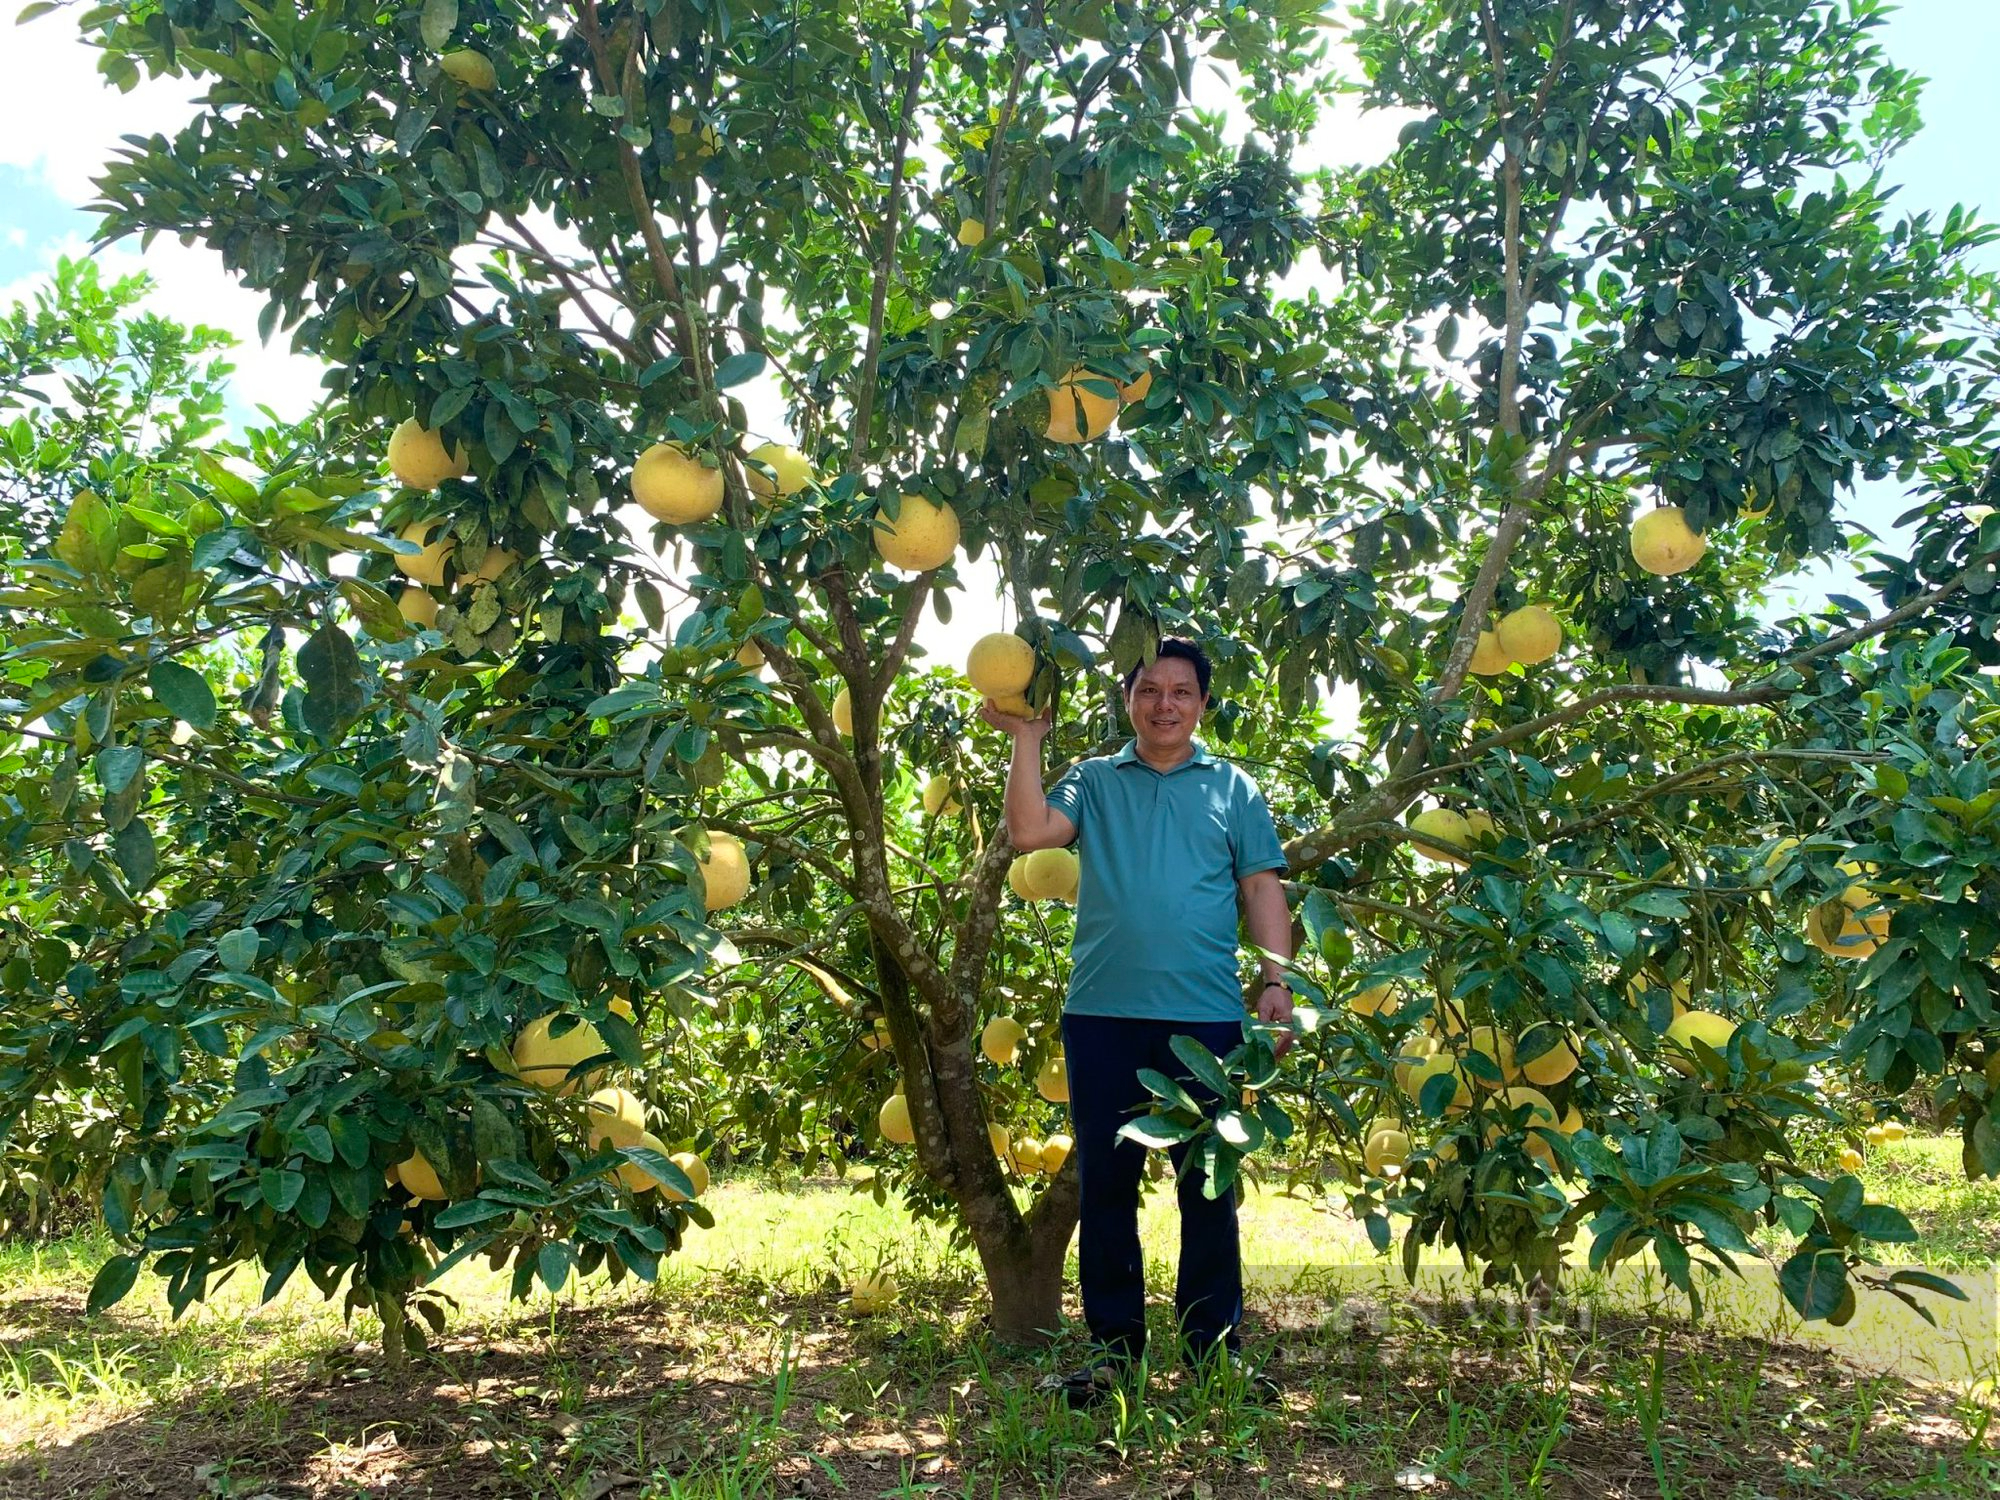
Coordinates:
column 1279, row 984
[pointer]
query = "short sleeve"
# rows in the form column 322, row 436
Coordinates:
column 1253, row 835
column 1069, row 796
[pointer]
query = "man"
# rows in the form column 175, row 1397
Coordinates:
column 1173, row 841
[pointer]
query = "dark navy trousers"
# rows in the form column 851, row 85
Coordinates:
column 1104, row 1055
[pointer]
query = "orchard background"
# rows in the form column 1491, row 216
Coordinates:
column 527, row 718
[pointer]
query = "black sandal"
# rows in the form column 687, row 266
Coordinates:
column 1088, row 1385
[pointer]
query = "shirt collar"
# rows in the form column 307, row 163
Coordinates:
column 1129, row 756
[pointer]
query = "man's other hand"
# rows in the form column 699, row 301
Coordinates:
column 1274, row 1008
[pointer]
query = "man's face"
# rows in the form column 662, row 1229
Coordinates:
column 1165, row 704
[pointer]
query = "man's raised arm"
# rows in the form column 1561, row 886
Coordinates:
column 1031, row 822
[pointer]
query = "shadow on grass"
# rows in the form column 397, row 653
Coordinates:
column 728, row 1390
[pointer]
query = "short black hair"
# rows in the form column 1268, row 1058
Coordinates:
column 1183, row 650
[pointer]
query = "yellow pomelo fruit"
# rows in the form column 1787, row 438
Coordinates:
column 1530, row 634
column 1664, row 544
column 1851, row 1160
column 1479, row 826
column 893, row 1120
column 1000, row 666
column 672, row 485
column 873, row 1294
column 1376, row 1000
column 1874, row 1135
column 750, row 655
column 1446, row 1020
column 687, row 143
column 843, row 711
column 1027, row 1154
column 793, row 469
column 923, row 536
column 615, row 1115
column 1571, row 1122
column 497, row 561
column 1546, row 1054
column 1838, row 931
column 1016, row 704
column 426, row 567
column 1436, row 827
column 416, row 605
column 622, row 1006
column 1541, row 1114
column 419, row 1179
column 1680, row 991
column 1001, row 1142
column 1055, row 1151
column 696, row 1172
column 1491, row 1044
column 545, row 1060
column 1001, row 1040
column 1078, row 414
column 938, row 798
column 1778, row 852
column 418, row 459
column 1438, row 1065
column 1052, row 1080
column 635, row 1177
column 470, row 67
column 1697, row 1026
column 1894, row 1130
column 878, row 1036
column 1017, row 877
column 1489, row 657
column 1385, row 1152
column 1051, row 875
column 725, row 872
column 1417, row 1049
column 1138, row 389
column 971, row 232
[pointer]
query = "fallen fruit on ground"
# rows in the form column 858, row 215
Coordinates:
column 873, row 1294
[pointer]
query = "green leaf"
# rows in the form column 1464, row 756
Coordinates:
column 553, row 1264
column 440, row 20
column 1157, row 1131
column 114, row 1279
column 238, row 947
column 330, row 667
column 738, row 368
column 1813, row 1282
column 135, row 854
column 1203, row 1065
column 183, row 692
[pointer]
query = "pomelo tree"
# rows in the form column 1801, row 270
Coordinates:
column 502, row 754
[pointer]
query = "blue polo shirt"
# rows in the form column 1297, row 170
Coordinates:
column 1156, row 912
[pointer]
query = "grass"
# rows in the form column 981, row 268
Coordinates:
column 742, row 1374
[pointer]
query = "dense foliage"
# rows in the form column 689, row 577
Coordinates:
column 288, row 874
